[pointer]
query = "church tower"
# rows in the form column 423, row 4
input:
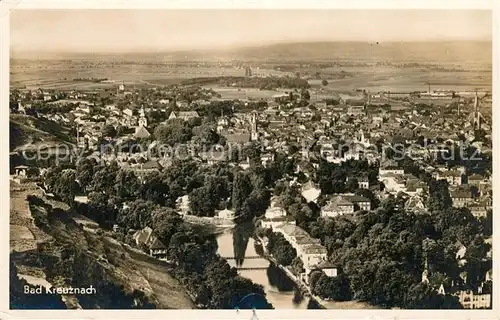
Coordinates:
column 253, row 126
column 143, row 121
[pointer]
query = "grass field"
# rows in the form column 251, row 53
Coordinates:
column 242, row 93
column 394, row 79
column 59, row 74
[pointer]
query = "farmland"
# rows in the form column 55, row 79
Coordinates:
column 59, row 75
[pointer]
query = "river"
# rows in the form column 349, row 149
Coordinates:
column 240, row 250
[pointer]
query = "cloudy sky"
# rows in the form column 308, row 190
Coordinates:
column 137, row 30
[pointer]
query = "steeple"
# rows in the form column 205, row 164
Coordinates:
column 143, row 121
column 253, row 125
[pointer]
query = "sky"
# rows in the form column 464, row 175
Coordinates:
column 140, row 30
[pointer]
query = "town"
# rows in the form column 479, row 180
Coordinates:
column 380, row 199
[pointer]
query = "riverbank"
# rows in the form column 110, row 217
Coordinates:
column 306, row 291
column 304, row 288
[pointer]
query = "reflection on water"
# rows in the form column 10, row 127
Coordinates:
column 277, row 278
column 280, row 290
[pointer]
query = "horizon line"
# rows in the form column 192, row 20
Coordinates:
column 228, row 48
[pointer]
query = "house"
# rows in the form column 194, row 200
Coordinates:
column 478, row 210
column 214, row 157
column 310, row 192
column 328, row 268
column 360, row 203
column 21, row 171
column 313, row 255
column 237, row 138
column 454, row 177
column 337, row 206
column 158, row 250
column 461, row 198
column 184, row 115
column 415, row 203
column 145, row 238
column 272, row 223
column 390, row 169
column 226, row 214
column 142, row 132
column 128, row 112
column 470, row 300
column 363, row 183
column 394, row 183
column 275, row 212
column 475, row 180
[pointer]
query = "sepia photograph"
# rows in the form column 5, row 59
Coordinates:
column 250, row 159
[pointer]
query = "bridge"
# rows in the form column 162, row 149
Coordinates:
column 244, row 258
column 251, row 268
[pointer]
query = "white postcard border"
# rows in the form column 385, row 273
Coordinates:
column 7, row 5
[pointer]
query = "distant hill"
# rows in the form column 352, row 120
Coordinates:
column 24, row 129
column 458, row 52
column 423, row 52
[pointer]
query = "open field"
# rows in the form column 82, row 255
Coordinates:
column 395, row 79
column 242, row 93
column 59, row 75
column 52, row 74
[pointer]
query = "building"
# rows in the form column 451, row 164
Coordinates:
column 461, row 198
column 360, row 203
column 310, row 192
column 184, row 115
column 337, row 206
column 478, row 210
column 253, row 127
column 226, row 214
column 471, row 300
column 454, row 177
column 390, row 169
column 275, row 212
column 272, row 223
column 475, row 180
column 146, row 239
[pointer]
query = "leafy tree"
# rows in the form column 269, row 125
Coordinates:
column 126, row 184
column 241, row 190
column 109, row 131
column 174, row 131
column 335, row 288
column 280, row 249
column 85, row 171
column 138, row 215
column 439, row 196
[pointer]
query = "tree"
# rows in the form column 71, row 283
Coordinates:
column 166, row 222
column 138, row 215
column 335, row 288
column 422, row 296
column 126, row 184
column 85, row 171
column 65, row 186
column 280, row 249
column 324, row 82
column 305, row 95
column 174, row 131
column 109, row 131
column 241, row 190
column 439, row 196
column 201, row 202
